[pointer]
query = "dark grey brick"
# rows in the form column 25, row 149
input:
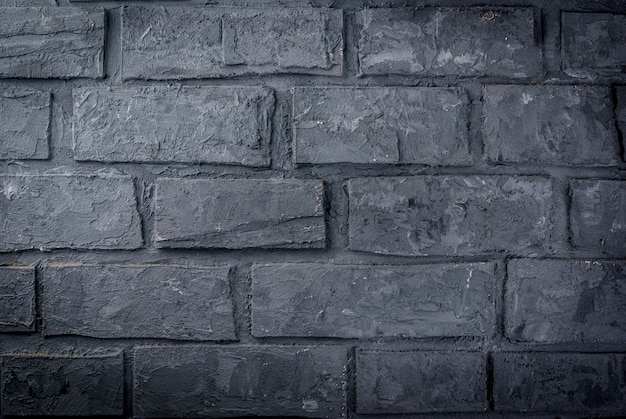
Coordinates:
column 51, row 42
column 566, row 125
column 566, row 301
column 449, row 41
column 24, row 132
column 63, row 211
column 381, row 125
column 17, row 299
column 593, row 42
column 62, row 386
column 598, row 215
column 620, row 115
column 138, row 301
column 560, row 382
column 420, row 382
column 352, row 301
column 240, row 213
column 450, row 215
column 230, row 125
column 194, row 42
column 263, row 380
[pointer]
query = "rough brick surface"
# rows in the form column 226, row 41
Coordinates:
column 598, row 215
column 25, row 131
column 353, row 301
column 239, row 381
column 381, row 125
column 566, row 125
column 560, row 382
column 17, row 299
column 51, row 42
column 230, row 125
column 177, row 42
column 420, row 382
column 63, row 211
column 240, row 213
column 446, row 41
column 62, row 386
column 138, row 301
column 450, row 215
column 620, row 115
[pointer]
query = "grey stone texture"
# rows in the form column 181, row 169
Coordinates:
column 240, row 213
column 450, row 215
column 17, row 299
column 355, row 301
column 25, row 131
column 598, row 215
column 224, row 125
column 566, row 301
column 564, row 125
column 115, row 301
column 260, row 380
column 51, row 42
column 620, row 115
column 58, row 385
column 393, row 125
column 420, row 382
column 192, row 42
column 68, row 211
column 472, row 41
column 560, row 382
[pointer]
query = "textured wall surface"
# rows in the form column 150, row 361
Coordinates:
column 313, row 208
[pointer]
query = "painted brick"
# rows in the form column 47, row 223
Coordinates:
column 420, row 382
column 352, row 301
column 448, row 41
column 240, row 213
column 62, row 386
column 381, row 125
column 17, row 299
column 138, row 301
column 51, row 42
column 25, row 129
column 177, row 43
column 63, row 211
column 566, row 301
column 229, row 125
column 593, row 42
column 262, row 380
column 450, row 215
column 566, row 125
column 598, row 215
column 560, row 382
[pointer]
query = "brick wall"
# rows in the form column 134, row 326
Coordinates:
column 314, row 208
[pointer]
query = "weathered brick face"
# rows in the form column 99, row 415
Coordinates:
column 325, row 209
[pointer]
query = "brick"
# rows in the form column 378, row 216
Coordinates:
column 566, row 301
column 265, row 380
column 593, row 42
column 63, row 211
column 560, row 382
column 17, row 299
column 381, row 125
column 25, row 129
column 620, row 115
column 450, row 215
column 598, row 215
column 177, row 43
column 138, row 302
column 59, row 385
column 420, row 382
column 51, row 42
column 565, row 125
column 448, row 42
column 356, row 301
column 240, row 213
column 227, row 125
